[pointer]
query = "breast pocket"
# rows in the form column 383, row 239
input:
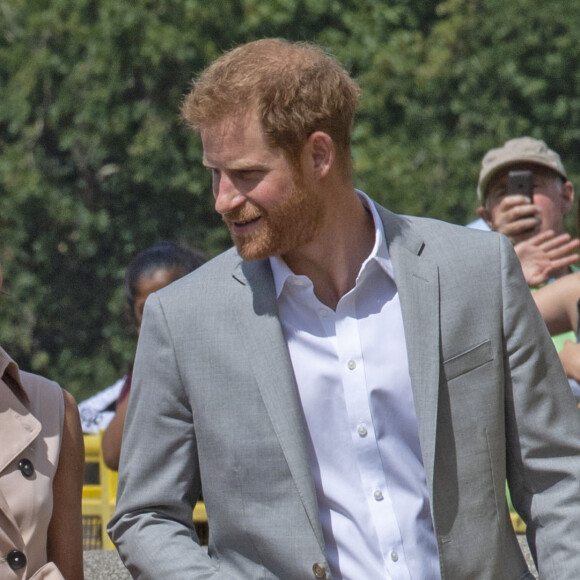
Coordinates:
column 468, row 360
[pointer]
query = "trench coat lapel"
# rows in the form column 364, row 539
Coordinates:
column 18, row 429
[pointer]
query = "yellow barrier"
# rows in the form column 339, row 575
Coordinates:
column 99, row 498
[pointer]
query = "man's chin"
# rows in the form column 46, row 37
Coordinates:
column 252, row 252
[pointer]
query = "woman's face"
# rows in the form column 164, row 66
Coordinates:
column 151, row 283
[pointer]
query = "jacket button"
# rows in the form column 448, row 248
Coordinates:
column 16, row 560
column 26, row 467
column 319, row 571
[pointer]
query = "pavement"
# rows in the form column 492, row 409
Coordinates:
column 106, row 564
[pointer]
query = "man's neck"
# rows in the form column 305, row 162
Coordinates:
column 332, row 262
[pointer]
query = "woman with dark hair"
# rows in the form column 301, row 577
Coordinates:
column 149, row 271
column 41, row 477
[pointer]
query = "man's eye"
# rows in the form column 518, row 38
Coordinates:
column 248, row 174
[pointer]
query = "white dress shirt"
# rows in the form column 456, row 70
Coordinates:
column 353, row 381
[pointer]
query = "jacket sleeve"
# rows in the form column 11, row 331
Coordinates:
column 542, row 430
column 159, row 480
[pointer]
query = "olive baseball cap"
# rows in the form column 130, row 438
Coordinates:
column 514, row 151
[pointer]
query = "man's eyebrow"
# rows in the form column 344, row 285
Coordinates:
column 249, row 165
column 239, row 165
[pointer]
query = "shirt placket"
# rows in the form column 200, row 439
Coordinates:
column 356, row 396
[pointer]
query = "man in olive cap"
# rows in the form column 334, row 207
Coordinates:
column 538, row 219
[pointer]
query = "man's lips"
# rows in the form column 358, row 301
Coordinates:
column 246, row 221
column 242, row 226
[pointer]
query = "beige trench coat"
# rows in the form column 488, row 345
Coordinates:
column 31, row 422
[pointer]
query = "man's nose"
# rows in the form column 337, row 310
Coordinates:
column 227, row 196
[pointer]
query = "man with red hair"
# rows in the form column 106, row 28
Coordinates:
column 350, row 387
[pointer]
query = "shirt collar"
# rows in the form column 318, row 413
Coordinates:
column 11, row 375
column 379, row 254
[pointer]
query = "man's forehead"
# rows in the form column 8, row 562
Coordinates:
column 231, row 123
column 237, row 144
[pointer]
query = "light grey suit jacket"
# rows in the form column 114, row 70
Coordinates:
column 214, row 402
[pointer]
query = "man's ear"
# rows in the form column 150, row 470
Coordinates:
column 320, row 153
column 485, row 215
column 567, row 197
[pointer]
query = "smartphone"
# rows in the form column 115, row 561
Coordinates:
column 521, row 182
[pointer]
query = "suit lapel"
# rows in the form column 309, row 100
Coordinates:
column 417, row 282
column 274, row 375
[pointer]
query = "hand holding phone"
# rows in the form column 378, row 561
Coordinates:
column 510, row 214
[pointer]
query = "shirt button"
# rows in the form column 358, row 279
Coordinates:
column 362, row 430
column 394, row 556
column 378, row 494
column 319, row 571
column 323, row 312
column 351, row 365
column 16, row 560
column 26, row 467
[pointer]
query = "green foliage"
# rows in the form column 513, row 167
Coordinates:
column 95, row 164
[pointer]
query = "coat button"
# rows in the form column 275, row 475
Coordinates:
column 16, row 560
column 319, row 571
column 26, row 467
